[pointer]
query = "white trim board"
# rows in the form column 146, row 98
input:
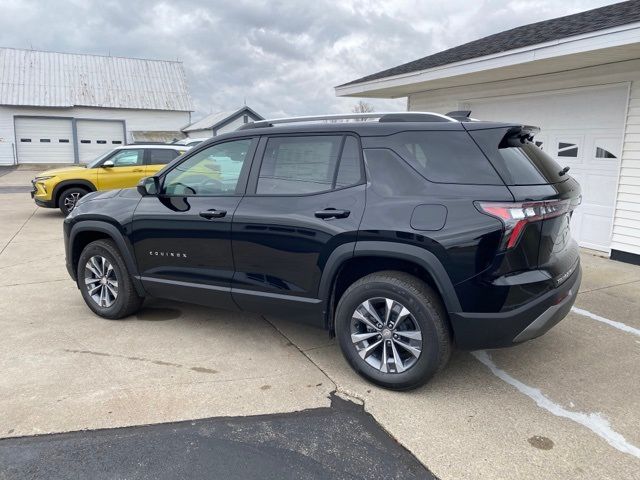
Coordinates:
column 625, row 35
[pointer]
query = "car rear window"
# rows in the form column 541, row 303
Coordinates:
column 444, row 157
column 517, row 162
column 528, row 165
column 159, row 156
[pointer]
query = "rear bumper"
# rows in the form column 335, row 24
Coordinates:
column 474, row 331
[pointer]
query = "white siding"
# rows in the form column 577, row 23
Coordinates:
column 626, row 225
column 231, row 126
column 148, row 120
column 200, row 133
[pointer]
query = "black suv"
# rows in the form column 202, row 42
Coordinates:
column 403, row 236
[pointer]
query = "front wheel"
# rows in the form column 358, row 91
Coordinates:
column 69, row 197
column 105, row 283
column 393, row 330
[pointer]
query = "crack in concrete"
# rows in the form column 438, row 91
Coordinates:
column 30, row 261
column 143, row 359
column 281, row 333
column 6, row 170
column 35, row 283
column 608, row 286
column 337, row 389
column 19, row 230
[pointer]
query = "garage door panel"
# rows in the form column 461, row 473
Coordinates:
column 44, row 140
column 602, row 190
column 599, row 229
column 96, row 137
column 567, row 147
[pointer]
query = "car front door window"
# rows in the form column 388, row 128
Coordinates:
column 127, row 158
column 213, row 171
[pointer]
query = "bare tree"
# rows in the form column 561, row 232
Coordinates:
column 362, row 107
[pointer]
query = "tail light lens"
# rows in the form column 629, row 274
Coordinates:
column 516, row 216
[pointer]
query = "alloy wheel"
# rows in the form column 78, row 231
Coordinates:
column 101, row 281
column 70, row 201
column 386, row 335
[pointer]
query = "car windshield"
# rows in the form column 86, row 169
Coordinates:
column 94, row 163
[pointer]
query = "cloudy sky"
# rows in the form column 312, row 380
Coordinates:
column 283, row 57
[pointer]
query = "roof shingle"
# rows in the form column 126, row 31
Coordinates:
column 535, row 33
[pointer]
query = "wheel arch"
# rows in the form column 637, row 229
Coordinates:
column 62, row 186
column 388, row 255
column 88, row 231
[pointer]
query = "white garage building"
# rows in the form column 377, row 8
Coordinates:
column 578, row 78
column 70, row 108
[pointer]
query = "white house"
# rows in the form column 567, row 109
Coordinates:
column 221, row 122
column 66, row 108
column 578, row 78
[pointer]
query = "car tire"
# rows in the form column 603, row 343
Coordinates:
column 105, row 282
column 69, row 197
column 411, row 362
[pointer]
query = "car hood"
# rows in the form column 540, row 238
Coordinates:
column 61, row 171
column 99, row 195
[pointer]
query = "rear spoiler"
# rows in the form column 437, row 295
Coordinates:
column 460, row 115
column 518, row 135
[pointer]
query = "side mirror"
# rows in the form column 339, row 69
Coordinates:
column 148, row 186
column 108, row 164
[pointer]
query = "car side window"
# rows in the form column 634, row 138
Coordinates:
column 305, row 165
column 212, row 171
column 159, row 156
column 350, row 167
column 128, row 158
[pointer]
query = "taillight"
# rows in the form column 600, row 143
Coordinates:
column 515, row 216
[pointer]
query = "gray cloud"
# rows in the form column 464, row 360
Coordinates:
column 283, row 57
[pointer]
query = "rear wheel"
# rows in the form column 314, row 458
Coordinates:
column 69, row 197
column 392, row 330
column 105, row 283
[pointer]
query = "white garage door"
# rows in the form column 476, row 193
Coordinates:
column 96, row 137
column 582, row 129
column 44, row 140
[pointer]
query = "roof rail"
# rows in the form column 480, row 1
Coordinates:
column 381, row 116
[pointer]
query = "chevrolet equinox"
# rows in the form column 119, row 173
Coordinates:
column 402, row 235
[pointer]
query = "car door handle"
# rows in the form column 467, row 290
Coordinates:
column 332, row 213
column 138, row 170
column 213, row 213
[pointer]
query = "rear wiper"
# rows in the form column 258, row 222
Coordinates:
column 564, row 171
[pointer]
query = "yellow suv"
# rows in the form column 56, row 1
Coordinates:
column 122, row 167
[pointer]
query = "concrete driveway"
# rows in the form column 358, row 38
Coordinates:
column 566, row 405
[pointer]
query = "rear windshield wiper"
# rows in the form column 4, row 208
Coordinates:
column 564, row 171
